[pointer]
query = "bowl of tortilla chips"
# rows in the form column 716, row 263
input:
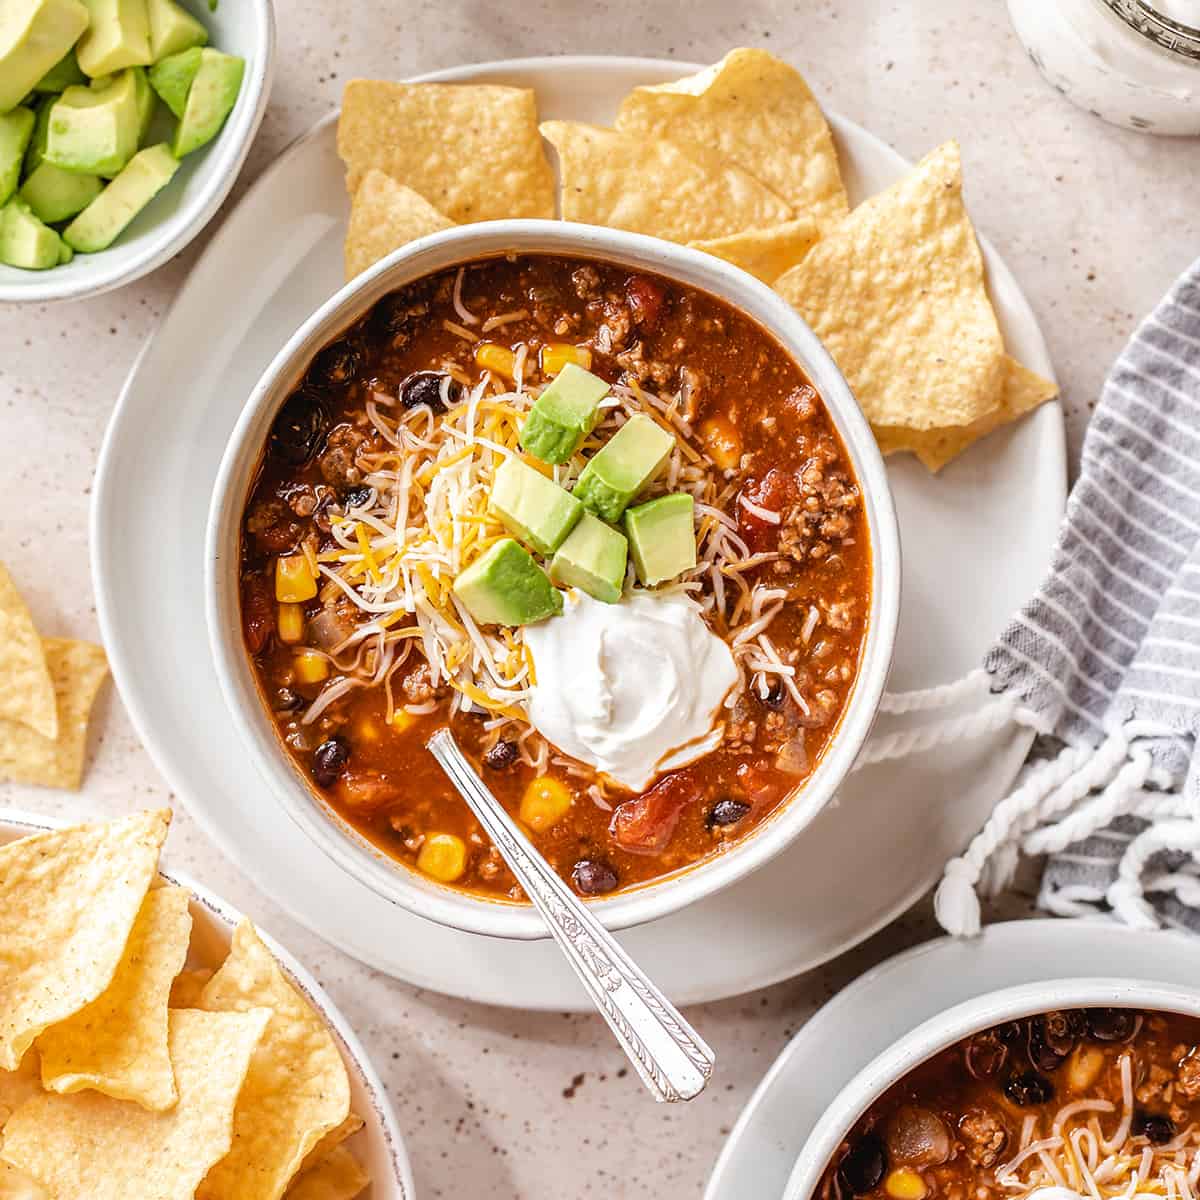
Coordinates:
column 153, row 1042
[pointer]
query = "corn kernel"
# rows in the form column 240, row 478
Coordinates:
column 1084, row 1067
column 722, row 441
column 310, row 667
column 555, row 355
column 401, row 720
column 294, row 579
column 905, row 1184
column 498, row 359
column 290, row 623
column 443, row 856
column 545, row 802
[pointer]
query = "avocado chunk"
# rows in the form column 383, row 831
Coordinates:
column 24, row 240
column 172, row 29
column 146, row 100
column 37, row 143
column 592, row 559
column 504, row 586
column 95, row 130
column 624, row 465
column 533, row 507
column 172, row 78
column 99, row 225
column 662, row 537
column 117, row 37
column 563, row 415
column 210, row 100
column 57, row 195
column 64, row 74
column 34, row 35
column 16, row 130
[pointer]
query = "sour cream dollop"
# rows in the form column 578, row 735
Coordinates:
column 632, row 688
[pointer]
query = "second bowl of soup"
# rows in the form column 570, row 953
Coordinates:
column 601, row 505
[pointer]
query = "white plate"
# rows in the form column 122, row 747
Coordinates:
column 976, row 542
column 898, row 995
column 378, row 1145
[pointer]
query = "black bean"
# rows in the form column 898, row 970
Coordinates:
column 775, row 696
column 862, row 1166
column 391, row 316
column 328, row 760
column 1042, row 1055
column 985, row 1055
column 287, row 701
column 727, row 812
column 1156, row 1128
column 593, row 877
column 356, row 497
column 502, row 754
column 425, row 387
column 301, row 424
column 1029, row 1089
column 1112, row 1024
column 336, row 365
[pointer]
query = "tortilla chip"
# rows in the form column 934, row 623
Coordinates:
column 757, row 112
column 334, row 1138
column 118, row 1043
column 765, row 253
column 1023, row 391
column 17, row 1086
column 185, row 991
column 649, row 185
column 339, row 1176
column 68, row 900
column 897, row 295
column 90, row 1147
column 26, row 689
column 384, row 216
column 16, row 1185
column 296, row 1090
column 77, row 669
column 472, row 150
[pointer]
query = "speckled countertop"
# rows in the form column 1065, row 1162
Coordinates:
column 1095, row 222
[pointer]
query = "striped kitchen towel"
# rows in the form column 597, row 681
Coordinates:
column 1105, row 659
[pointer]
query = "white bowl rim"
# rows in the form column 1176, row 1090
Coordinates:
column 939, row 1032
column 226, row 158
column 466, row 243
column 300, row 976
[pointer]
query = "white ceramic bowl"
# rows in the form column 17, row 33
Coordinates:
column 170, row 221
column 378, row 1145
column 338, row 839
column 982, row 1012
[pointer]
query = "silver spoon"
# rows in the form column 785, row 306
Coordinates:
column 673, row 1060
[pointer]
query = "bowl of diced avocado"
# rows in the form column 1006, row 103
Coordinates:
column 123, row 124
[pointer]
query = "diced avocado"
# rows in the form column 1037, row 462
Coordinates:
column 563, row 415
column 34, row 35
column 118, row 36
column 172, row 78
column 24, row 240
column 210, row 100
column 64, row 74
column 37, row 143
column 16, row 130
column 504, row 586
column 98, row 226
column 533, row 507
column 662, row 537
column 593, row 559
column 172, row 29
column 624, row 465
column 146, row 100
column 65, row 253
column 57, row 195
column 95, row 130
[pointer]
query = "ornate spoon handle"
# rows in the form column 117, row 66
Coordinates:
column 672, row 1059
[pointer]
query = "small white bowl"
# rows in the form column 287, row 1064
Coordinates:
column 936, row 1034
column 336, row 837
column 170, row 221
column 379, row 1145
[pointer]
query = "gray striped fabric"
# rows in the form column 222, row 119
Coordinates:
column 1110, row 646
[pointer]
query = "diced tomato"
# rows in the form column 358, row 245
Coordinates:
column 761, row 785
column 646, row 301
column 258, row 612
column 775, row 491
column 644, row 825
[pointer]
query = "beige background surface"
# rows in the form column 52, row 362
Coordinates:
column 1094, row 221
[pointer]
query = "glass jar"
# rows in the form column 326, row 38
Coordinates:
column 1132, row 62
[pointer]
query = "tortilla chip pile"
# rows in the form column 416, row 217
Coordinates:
column 47, row 687
column 124, row 1075
column 737, row 161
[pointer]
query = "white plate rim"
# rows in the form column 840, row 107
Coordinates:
column 299, row 975
column 1050, row 417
